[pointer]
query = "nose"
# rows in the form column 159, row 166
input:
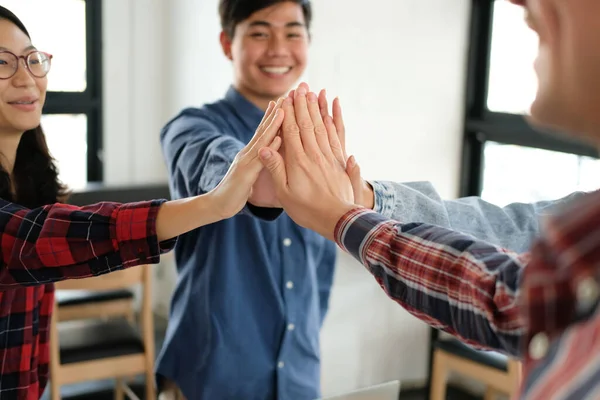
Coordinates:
column 22, row 77
column 277, row 46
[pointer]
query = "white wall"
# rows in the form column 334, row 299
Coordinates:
column 398, row 67
column 135, row 72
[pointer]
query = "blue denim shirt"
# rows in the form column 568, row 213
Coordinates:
column 513, row 227
column 251, row 292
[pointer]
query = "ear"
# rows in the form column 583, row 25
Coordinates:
column 226, row 44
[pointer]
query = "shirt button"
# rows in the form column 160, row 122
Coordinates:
column 291, row 327
column 289, row 285
column 587, row 292
column 287, row 242
column 538, row 346
column 281, row 364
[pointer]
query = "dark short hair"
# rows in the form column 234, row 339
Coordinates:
column 232, row 12
column 5, row 13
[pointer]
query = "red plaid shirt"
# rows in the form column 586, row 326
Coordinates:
column 541, row 307
column 52, row 243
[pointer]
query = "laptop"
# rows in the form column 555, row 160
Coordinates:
column 384, row 391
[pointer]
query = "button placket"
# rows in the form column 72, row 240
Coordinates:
column 539, row 345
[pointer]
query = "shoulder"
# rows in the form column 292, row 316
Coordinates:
column 210, row 117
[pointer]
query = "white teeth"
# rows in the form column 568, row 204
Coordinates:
column 276, row 70
column 23, row 102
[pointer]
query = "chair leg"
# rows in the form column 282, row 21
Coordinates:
column 490, row 394
column 439, row 377
column 54, row 391
column 150, row 388
column 119, row 389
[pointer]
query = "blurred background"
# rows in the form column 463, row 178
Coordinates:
column 431, row 90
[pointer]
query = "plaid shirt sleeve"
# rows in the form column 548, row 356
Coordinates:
column 61, row 241
column 451, row 281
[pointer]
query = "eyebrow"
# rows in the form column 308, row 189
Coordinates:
column 30, row 47
column 268, row 24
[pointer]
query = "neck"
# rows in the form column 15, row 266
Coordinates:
column 9, row 142
column 259, row 101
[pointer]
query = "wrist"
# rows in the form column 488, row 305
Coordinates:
column 329, row 220
column 210, row 203
column 368, row 196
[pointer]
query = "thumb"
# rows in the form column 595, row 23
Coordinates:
column 273, row 162
column 353, row 172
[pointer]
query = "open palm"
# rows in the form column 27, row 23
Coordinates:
column 263, row 192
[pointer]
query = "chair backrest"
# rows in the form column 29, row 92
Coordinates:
column 122, row 279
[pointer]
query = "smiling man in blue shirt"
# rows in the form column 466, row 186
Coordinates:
column 253, row 290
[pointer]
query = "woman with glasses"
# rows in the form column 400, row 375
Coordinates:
column 43, row 241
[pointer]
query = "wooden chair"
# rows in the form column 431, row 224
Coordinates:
column 96, row 349
column 499, row 373
column 90, row 304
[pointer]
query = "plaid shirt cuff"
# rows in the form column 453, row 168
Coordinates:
column 385, row 198
column 355, row 230
column 135, row 230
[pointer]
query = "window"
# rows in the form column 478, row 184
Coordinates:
column 72, row 113
column 512, row 80
column 504, row 158
column 526, row 174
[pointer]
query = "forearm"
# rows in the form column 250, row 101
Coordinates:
column 61, row 241
column 449, row 280
column 177, row 217
column 514, row 226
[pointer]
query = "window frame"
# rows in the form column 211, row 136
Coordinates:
column 483, row 125
column 88, row 102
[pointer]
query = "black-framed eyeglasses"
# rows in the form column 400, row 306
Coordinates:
column 37, row 63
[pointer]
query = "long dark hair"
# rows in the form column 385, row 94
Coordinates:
column 35, row 176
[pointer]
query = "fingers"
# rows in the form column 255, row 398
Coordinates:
column 269, row 134
column 323, row 106
column 305, row 123
column 276, row 143
column 265, row 123
column 339, row 124
column 339, row 150
column 353, row 172
column 254, row 165
column 290, row 130
column 320, row 130
column 292, row 93
column 267, row 112
column 334, row 142
column 305, row 86
column 273, row 162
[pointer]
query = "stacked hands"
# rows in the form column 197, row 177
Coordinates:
column 297, row 160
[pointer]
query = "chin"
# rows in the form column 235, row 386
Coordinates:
column 544, row 111
column 27, row 126
column 274, row 92
column 556, row 119
column 278, row 87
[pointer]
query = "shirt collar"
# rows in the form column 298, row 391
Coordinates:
column 250, row 114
